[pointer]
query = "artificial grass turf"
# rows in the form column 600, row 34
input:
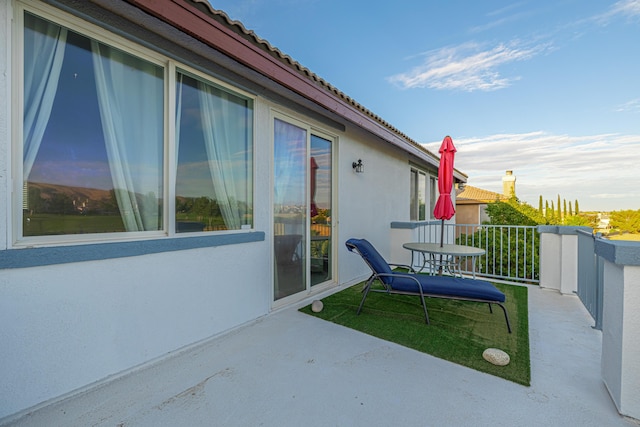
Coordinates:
column 459, row 331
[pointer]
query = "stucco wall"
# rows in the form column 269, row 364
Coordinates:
column 467, row 214
column 369, row 201
column 621, row 337
column 69, row 325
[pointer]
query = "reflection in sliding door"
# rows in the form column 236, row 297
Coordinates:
column 290, row 209
column 320, row 210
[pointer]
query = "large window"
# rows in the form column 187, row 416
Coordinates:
column 95, row 146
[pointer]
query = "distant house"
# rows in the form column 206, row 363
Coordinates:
column 471, row 202
column 166, row 176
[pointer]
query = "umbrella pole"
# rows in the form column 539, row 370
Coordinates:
column 441, row 242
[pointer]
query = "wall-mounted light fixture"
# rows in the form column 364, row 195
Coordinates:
column 358, row 166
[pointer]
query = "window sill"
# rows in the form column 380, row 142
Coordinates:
column 35, row 257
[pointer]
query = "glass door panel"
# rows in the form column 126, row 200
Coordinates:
column 290, row 209
column 320, row 210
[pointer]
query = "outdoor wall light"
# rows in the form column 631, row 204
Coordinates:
column 358, row 166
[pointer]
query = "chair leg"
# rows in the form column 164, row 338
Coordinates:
column 426, row 314
column 506, row 317
column 364, row 297
column 490, row 308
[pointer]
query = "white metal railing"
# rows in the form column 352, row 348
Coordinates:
column 511, row 251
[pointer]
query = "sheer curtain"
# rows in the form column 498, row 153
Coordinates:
column 131, row 99
column 219, row 120
column 45, row 45
column 289, row 154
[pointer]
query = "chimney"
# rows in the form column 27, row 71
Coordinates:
column 509, row 184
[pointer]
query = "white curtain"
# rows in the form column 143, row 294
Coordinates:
column 131, row 100
column 221, row 131
column 45, row 45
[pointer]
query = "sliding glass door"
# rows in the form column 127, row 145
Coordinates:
column 302, row 208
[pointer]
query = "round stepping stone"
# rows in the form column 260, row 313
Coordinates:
column 496, row 356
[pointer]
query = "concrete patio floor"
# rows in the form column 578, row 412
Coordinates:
column 291, row 369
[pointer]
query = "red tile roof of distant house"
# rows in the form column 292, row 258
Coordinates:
column 474, row 195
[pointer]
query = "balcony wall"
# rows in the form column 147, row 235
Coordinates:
column 559, row 270
column 621, row 323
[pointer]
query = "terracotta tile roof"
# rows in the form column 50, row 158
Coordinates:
column 253, row 38
column 472, row 194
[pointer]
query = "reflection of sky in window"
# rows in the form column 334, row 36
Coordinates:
column 321, row 151
column 290, row 155
column 72, row 151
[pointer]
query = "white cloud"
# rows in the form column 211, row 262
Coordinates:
column 600, row 171
column 632, row 106
column 467, row 67
column 625, row 8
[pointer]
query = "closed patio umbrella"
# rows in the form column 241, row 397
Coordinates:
column 444, row 206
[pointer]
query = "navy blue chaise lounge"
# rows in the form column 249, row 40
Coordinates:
column 422, row 285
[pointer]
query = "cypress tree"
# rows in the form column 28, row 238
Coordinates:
column 546, row 210
column 577, row 208
column 540, row 206
column 570, row 211
column 559, row 209
column 565, row 207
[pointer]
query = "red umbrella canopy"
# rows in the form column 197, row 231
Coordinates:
column 444, row 206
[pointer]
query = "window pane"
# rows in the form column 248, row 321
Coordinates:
column 214, row 179
column 93, row 136
column 290, row 208
column 413, row 194
column 422, row 189
column 433, row 194
column 320, row 209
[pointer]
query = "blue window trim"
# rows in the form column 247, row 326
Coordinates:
column 35, row 257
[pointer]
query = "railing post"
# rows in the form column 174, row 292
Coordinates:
column 550, row 266
column 621, row 323
column 559, row 257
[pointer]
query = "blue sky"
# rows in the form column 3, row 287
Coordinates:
column 549, row 89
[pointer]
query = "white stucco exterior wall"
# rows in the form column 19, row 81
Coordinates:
column 369, row 201
column 550, row 268
column 559, row 258
column 621, row 337
column 69, row 325
column 612, row 320
column 569, row 264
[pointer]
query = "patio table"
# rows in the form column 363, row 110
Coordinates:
column 447, row 256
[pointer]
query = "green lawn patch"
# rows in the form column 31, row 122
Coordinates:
column 459, row 331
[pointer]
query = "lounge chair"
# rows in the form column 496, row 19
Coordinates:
column 395, row 282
